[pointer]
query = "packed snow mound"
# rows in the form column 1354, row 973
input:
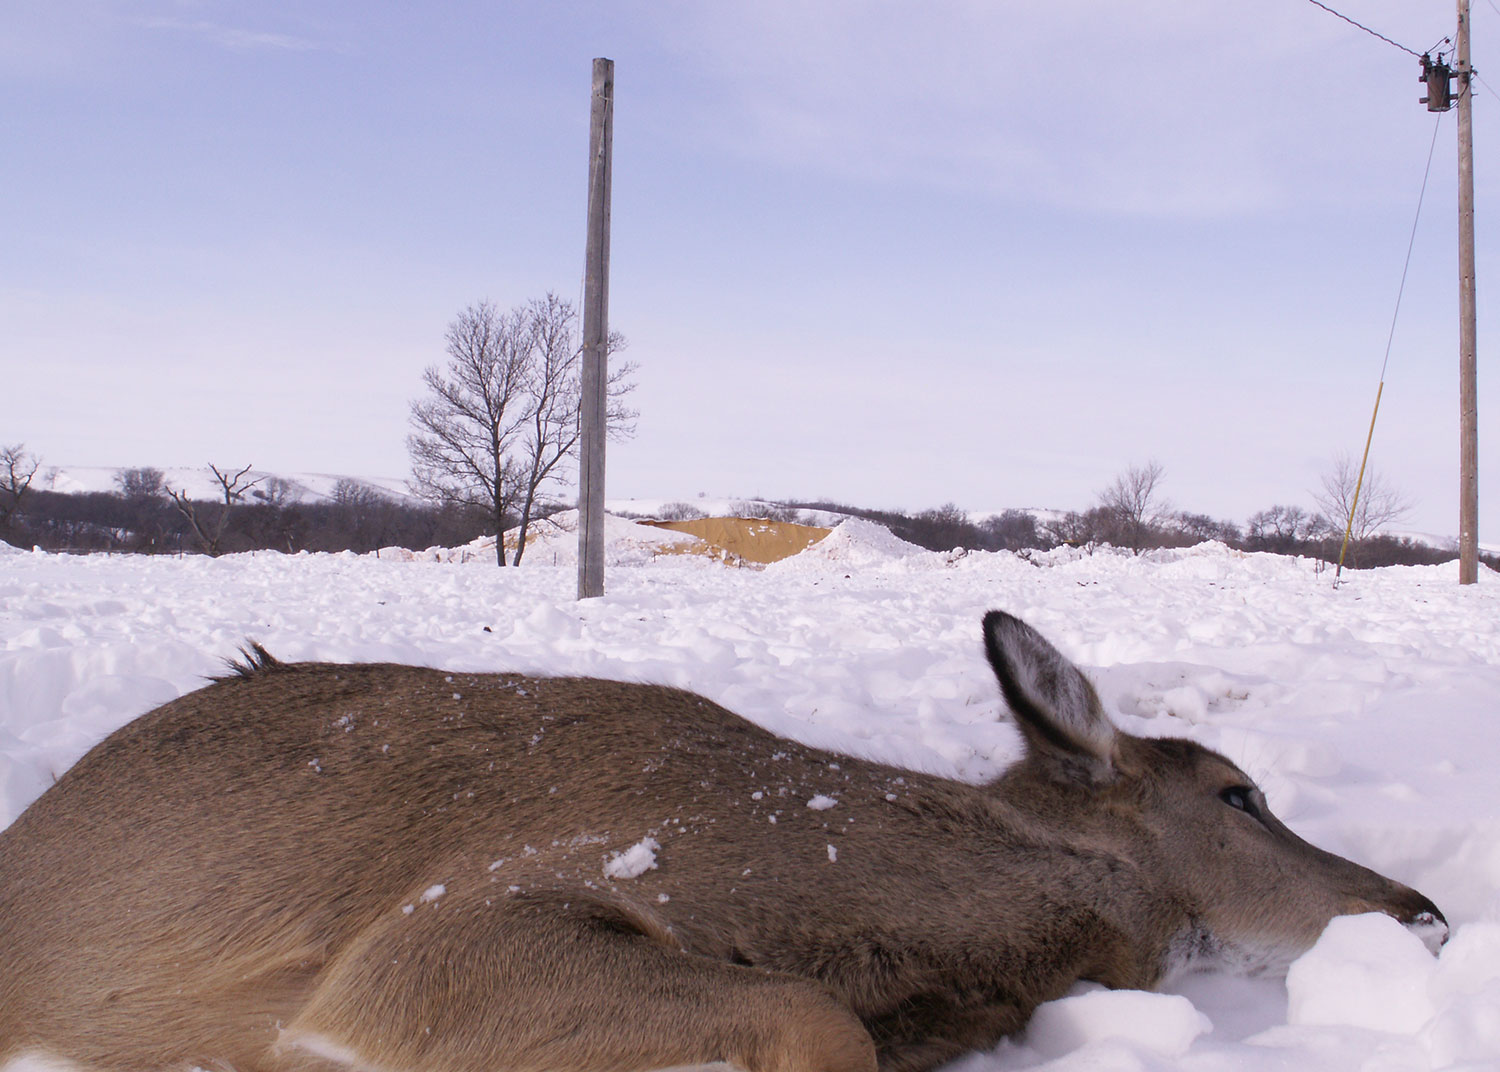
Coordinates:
column 1165, row 1024
column 1208, row 550
column 1365, row 971
column 857, row 544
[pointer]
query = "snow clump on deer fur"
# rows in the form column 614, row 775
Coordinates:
column 634, row 861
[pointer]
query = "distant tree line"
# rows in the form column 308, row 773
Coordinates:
column 949, row 528
column 1130, row 513
column 143, row 515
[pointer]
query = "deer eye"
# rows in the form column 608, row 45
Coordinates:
column 1241, row 798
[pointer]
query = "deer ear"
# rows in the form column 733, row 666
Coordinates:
column 1055, row 705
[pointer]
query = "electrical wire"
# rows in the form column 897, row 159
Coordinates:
column 1380, row 390
column 1410, row 245
column 1365, row 28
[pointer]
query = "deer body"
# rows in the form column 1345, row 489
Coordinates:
column 392, row 868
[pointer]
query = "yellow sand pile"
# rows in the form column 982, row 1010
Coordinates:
column 750, row 539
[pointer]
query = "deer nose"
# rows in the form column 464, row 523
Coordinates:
column 1427, row 923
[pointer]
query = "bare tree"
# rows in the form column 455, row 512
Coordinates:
column 1279, row 524
column 142, row 485
column 1013, row 530
column 17, row 471
column 275, row 492
column 464, row 430
column 1074, row 529
column 1133, row 504
column 679, row 511
column 1283, row 529
column 210, row 525
column 354, row 494
column 1379, row 503
column 501, row 420
column 554, row 397
column 364, row 514
column 1196, row 528
column 146, row 503
column 943, row 528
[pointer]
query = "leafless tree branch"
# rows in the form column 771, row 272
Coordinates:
column 500, row 419
column 1133, row 504
column 18, row 469
column 1379, row 503
column 210, row 522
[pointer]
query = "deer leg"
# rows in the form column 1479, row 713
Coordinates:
column 559, row 982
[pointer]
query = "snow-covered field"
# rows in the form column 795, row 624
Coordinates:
column 1370, row 714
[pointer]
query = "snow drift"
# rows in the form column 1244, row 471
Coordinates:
column 1366, row 712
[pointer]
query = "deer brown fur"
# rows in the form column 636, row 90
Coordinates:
column 391, row 868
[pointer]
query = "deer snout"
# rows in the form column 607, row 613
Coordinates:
column 1417, row 914
column 1427, row 923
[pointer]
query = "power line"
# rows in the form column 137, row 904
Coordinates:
column 1366, row 29
column 1375, row 413
column 1487, row 86
column 1410, row 245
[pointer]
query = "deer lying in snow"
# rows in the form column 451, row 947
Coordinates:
column 397, row 869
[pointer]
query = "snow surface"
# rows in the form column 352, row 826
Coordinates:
column 1367, row 712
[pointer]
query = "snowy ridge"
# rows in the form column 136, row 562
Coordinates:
column 1366, row 712
column 553, row 541
column 199, row 483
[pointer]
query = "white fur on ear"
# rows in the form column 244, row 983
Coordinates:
column 1055, row 703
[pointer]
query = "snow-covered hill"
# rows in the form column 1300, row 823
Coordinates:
column 198, row 482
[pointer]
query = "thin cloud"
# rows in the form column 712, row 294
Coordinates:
column 1154, row 110
column 233, row 37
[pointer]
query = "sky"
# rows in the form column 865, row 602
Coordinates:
column 894, row 255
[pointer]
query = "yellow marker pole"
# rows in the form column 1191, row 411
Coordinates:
column 1358, row 484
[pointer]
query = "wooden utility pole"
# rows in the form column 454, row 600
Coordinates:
column 595, row 385
column 1468, row 407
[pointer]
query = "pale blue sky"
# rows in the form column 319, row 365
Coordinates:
column 888, row 253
